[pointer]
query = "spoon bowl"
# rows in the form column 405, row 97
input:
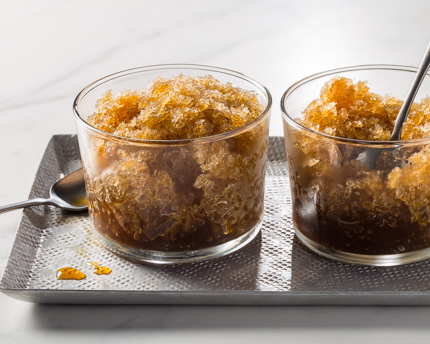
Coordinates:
column 67, row 193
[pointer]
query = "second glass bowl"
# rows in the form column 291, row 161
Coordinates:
column 347, row 211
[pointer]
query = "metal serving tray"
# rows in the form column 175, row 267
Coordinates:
column 275, row 269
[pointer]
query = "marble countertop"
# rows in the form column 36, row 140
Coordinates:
column 50, row 50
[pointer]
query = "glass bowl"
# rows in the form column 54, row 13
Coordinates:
column 173, row 201
column 348, row 211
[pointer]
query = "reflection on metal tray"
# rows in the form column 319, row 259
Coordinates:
column 275, row 269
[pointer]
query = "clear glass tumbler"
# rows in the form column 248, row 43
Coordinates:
column 343, row 209
column 172, row 201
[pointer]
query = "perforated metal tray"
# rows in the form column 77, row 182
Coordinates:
column 275, row 269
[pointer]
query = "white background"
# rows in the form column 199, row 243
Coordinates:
column 50, row 50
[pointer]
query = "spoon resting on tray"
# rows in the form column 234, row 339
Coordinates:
column 67, row 193
column 369, row 156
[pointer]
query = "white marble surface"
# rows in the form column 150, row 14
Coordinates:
column 50, row 50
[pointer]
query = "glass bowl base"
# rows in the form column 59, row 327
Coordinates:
column 159, row 257
column 362, row 259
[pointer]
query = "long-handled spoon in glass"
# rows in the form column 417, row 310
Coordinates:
column 368, row 157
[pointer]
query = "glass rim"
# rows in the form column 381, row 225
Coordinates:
column 136, row 70
column 296, row 85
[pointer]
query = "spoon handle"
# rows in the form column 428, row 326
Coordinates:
column 25, row 204
column 403, row 113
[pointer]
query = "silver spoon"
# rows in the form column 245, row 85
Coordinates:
column 368, row 157
column 67, row 193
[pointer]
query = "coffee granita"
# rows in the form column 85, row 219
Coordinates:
column 343, row 204
column 180, row 184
